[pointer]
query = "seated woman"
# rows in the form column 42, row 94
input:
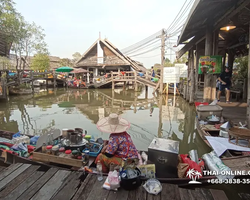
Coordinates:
column 119, row 150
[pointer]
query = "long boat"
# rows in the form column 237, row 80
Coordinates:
column 19, row 92
column 235, row 163
column 215, row 133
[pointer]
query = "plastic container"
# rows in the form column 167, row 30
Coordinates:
column 34, row 139
column 99, row 170
column 87, row 137
column 205, row 111
column 44, row 149
column 200, row 103
column 55, row 150
column 86, row 154
column 131, row 183
column 68, row 153
column 49, row 149
column 98, row 147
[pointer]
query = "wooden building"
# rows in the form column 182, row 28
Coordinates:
column 103, row 57
column 219, row 27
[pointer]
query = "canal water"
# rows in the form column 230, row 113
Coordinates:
column 150, row 116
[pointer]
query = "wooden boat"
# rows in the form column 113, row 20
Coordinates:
column 203, row 132
column 20, row 91
column 235, row 163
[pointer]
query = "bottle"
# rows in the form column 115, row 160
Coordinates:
column 99, row 170
column 44, row 150
column 111, row 167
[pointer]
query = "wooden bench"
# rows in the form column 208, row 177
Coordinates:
column 237, row 94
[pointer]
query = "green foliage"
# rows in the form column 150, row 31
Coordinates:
column 40, row 62
column 76, row 56
column 66, row 62
column 168, row 63
column 182, row 59
column 26, row 38
column 242, row 67
column 4, row 63
column 24, row 86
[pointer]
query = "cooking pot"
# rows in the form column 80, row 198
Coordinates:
column 75, row 138
column 79, row 130
column 131, row 183
column 64, row 132
column 69, row 132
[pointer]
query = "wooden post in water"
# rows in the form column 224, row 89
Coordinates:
column 208, row 52
column 112, row 78
column 146, row 91
column 198, row 54
column 32, row 81
column 54, row 78
column 192, row 79
column 135, row 78
column 248, row 84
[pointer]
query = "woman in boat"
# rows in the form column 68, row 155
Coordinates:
column 119, row 149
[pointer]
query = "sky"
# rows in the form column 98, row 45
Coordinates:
column 74, row 25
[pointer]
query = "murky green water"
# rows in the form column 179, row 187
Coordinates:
column 150, row 116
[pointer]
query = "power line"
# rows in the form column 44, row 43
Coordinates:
column 183, row 12
column 141, row 43
column 176, row 16
column 142, row 47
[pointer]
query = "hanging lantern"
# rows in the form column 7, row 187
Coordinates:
column 228, row 27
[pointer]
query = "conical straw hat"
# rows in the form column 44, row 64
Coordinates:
column 113, row 124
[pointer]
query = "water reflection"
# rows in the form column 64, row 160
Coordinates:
column 150, row 115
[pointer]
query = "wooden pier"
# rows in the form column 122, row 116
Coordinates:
column 25, row 181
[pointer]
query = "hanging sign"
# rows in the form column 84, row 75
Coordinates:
column 210, row 64
column 171, row 75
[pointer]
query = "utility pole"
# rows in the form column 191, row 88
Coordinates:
column 162, row 59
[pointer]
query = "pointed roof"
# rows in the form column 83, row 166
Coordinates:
column 115, row 51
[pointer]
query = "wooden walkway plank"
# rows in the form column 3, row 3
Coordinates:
column 218, row 194
column 196, row 195
column 9, row 170
column 141, row 193
column 170, row 191
column 18, row 180
column 113, row 195
column 244, row 196
column 131, row 194
column 86, row 187
column 2, row 168
column 69, row 187
column 51, row 187
column 24, row 186
column 185, row 195
column 154, row 197
column 38, row 184
column 97, row 192
column 205, row 193
column 13, row 175
column 122, row 194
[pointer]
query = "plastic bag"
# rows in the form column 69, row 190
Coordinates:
column 153, row 186
column 113, row 179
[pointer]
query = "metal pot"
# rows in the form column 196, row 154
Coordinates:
column 75, row 138
column 79, row 130
column 69, row 132
column 64, row 132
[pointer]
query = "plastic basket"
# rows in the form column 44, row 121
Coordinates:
column 200, row 103
column 94, row 145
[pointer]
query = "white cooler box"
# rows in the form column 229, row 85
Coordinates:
column 164, row 154
column 208, row 110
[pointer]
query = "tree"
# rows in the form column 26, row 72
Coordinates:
column 66, row 62
column 26, row 39
column 242, row 67
column 40, row 62
column 167, row 63
column 76, row 56
column 4, row 63
column 182, row 59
